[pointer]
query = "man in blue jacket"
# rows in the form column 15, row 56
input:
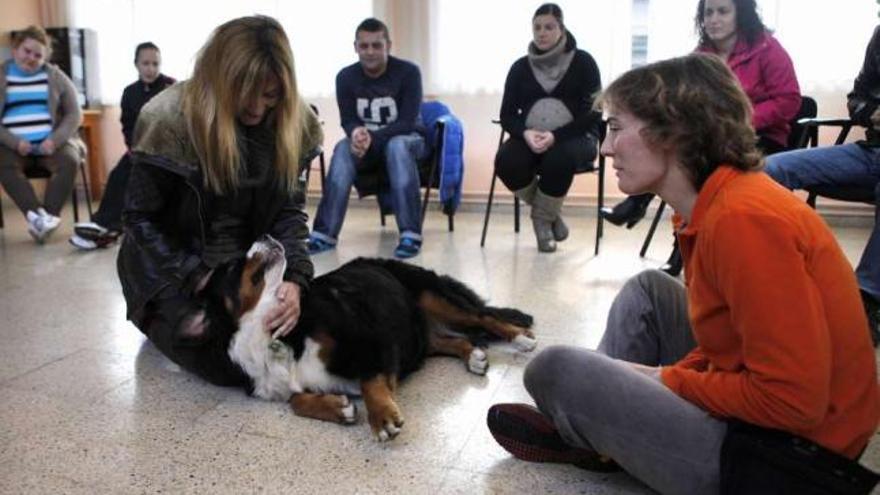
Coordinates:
column 379, row 99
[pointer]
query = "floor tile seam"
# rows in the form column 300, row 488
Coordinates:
column 7, row 381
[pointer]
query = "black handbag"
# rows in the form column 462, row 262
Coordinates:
column 759, row 461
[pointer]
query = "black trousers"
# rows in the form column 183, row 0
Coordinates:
column 517, row 165
column 207, row 357
column 109, row 214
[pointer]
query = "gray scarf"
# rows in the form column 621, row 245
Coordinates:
column 550, row 67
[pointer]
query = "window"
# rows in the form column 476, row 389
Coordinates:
column 321, row 35
column 477, row 41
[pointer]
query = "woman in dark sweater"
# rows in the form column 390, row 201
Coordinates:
column 547, row 110
column 106, row 224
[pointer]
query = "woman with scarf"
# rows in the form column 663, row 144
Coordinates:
column 547, row 110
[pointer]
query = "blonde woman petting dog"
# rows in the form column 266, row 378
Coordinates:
column 216, row 164
column 760, row 376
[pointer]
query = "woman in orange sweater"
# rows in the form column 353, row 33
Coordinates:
column 769, row 330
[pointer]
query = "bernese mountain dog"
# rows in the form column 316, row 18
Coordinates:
column 363, row 327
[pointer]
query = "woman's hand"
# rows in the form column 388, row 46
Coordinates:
column 283, row 318
column 23, row 147
column 47, row 147
column 532, row 139
column 538, row 141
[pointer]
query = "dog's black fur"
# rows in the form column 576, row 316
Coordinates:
column 369, row 307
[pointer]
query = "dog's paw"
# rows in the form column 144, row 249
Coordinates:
column 478, row 362
column 525, row 343
column 348, row 412
column 387, row 423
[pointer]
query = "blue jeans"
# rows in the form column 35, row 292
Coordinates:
column 402, row 154
column 844, row 165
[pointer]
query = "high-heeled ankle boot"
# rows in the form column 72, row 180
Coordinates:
column 628, row 211
column 674, row 264
column 545, row 210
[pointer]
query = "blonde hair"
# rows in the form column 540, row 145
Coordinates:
column 230, row 69
column 35, row 33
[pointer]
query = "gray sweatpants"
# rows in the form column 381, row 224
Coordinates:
column 597, row 400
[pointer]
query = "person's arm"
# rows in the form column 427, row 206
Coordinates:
column 151, row 191
column 756, row 263
column 863, row 101
column 72, row 113
column 783, row 92
column 589, row 84
column 409, row 101
column 7, row 138
column 347, row 103
column 512, row 120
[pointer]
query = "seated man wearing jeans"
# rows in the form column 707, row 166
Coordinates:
column 379, row 99
column 854, row 165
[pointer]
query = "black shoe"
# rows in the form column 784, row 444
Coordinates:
column 628, row 211
column 674, row 264
column 529, row 435
column 872, row 310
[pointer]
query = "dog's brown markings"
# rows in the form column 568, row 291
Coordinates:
column 378, row 395
column 249, row 293
column 450, row 346
column 437, row 308
column 328, row 345
column 326, row 407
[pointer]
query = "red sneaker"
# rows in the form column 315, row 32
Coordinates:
column 529, row 435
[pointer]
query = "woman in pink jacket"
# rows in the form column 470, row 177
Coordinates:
column 733, row 30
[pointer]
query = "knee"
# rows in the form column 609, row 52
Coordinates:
column 342, row 147
column 397, row 148
column 550, row 368
column 650, row 281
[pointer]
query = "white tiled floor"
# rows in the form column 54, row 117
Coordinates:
column 88, row 406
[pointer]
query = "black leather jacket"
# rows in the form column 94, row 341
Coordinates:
column 167, row 211
column 865, row 96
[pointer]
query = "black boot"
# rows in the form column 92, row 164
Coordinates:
column 674, row 264
column 628, row 211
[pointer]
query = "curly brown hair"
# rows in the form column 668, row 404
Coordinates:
column 692, row 106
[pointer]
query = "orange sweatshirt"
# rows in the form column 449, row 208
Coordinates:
column 782, row 338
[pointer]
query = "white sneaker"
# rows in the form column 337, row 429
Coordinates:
column 50, row 222
column 36, row 227
column 82, row 244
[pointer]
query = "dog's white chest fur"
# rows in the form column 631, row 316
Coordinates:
column 274, row 370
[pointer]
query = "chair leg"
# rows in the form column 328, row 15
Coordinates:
column 449, row 218
column 600, row 204
column 1, row 214
column 652, row 229
column 86, row 189
column 74, row 197
column 516, row 214
column 488, row 209
column 323, row 172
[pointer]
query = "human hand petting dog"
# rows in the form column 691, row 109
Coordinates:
column 283, row 318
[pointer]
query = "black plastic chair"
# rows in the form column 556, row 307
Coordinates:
column 371, row 182
column 34, row 172
column 320, row 156
column 810, row 139
column 584, row 168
